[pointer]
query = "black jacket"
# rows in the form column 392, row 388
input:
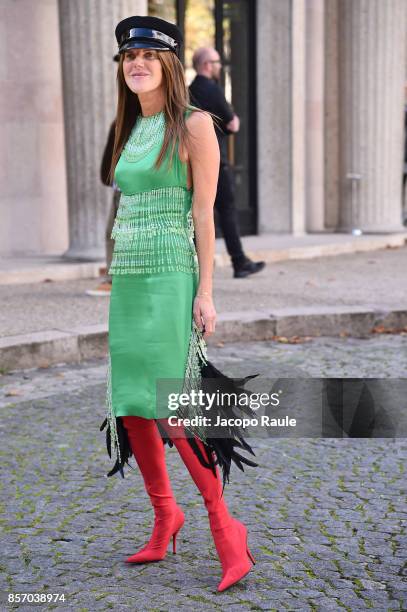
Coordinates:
column 107, row 156
column 205, row 93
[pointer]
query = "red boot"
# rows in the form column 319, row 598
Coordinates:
column 229, row 534
column 148, row 450
column 234, row 553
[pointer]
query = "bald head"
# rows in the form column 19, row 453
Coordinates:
column 206, row 62
column 200, row 56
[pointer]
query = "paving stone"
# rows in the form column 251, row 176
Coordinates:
column 68, row 528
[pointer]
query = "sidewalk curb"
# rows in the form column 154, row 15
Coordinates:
column 51, row 272
column 350, row 246
column 49, row 347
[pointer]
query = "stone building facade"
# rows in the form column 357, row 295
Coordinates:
column 328, row 117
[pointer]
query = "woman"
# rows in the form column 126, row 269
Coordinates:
column 161, row 311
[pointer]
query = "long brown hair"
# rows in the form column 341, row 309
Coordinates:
column 177, row 100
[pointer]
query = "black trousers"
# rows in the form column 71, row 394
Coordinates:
column 227, row 214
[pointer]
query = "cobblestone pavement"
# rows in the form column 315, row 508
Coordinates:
column 326, row 518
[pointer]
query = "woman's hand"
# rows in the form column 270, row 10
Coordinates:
column 204, row 314
column 204, row 156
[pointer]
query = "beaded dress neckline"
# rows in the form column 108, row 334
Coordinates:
column 144, row 117
column 147, row 133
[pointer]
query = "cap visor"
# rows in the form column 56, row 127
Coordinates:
column 142, row 44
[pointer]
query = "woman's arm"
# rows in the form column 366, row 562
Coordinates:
column 204, row 156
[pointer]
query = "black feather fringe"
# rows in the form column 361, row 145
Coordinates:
column 124, row 446
column 223, row 446
column 219, row 450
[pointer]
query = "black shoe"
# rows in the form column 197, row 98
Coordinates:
column 247, row 268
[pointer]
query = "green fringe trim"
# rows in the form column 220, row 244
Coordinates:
column 197, row 356
column 154, row 232
column 110, row 416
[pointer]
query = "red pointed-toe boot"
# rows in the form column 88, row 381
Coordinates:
column 148, row 450
column 234, row 553
column 229, row 534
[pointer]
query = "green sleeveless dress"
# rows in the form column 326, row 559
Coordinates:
column 155, row 348
column 154, row 276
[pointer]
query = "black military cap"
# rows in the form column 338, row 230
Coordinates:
column 148, row 32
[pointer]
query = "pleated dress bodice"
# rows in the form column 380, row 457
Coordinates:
column 153, row 230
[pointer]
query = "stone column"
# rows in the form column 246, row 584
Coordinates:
column 298, row 116
column 33, row 202
column 274, row 116
column 89, row 85
column 372, row 36
column 331, row 119
column 314, row 115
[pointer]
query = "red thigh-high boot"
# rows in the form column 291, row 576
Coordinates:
column 229, row 534
column 148, row 450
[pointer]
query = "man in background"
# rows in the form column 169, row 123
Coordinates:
column 206, row 93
